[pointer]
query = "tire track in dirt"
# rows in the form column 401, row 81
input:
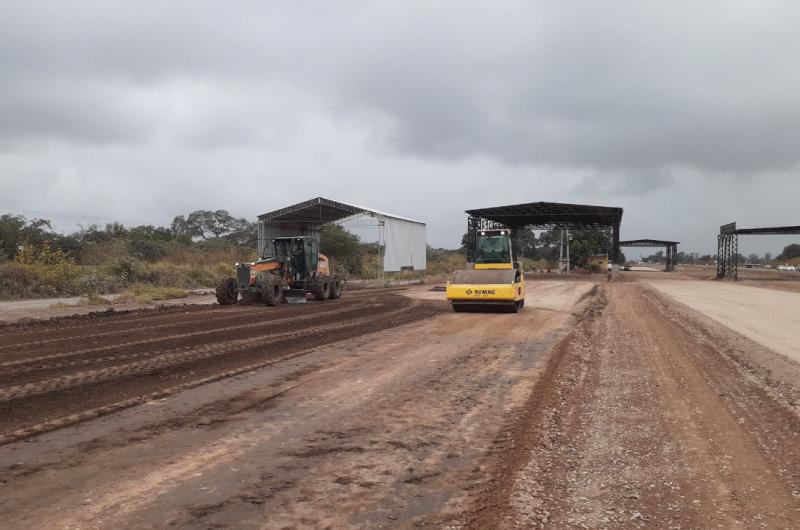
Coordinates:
column 165, row 358
column 191, row 322
column 109, row 317
column 182, row 313
column 36, row 364
column 69, row 398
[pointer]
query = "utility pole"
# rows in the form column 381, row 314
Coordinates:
column 563, row 263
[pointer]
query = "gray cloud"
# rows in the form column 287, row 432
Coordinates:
column 143, row 110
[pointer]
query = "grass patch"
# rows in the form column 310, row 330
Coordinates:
column 147, row 293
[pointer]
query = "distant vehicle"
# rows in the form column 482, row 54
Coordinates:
column 626, row 268
column 791, row 268
column 781, row 267
column 767, row 266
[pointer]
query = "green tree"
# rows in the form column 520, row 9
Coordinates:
column 344, row 249
column 586, row 243
column 790, row 252
column 583, row 244
column 218, row 224
column 16, row 230
column 526, row 243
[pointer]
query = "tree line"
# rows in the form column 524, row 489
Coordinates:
column 790, row 252
column 146, row 242
column 547, row 245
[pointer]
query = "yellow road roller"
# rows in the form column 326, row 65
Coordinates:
column 494, row 281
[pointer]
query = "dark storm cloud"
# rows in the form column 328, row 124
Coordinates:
column 609, row 85
column 611, row 102
column 613, row 85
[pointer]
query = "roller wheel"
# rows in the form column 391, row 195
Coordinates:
column 336, row 289
column 226, row 292
column 322, row 289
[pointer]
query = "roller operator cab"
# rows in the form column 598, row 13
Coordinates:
column 294, row 269
column 495, row 281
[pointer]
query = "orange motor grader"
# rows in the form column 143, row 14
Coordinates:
column 295, row 269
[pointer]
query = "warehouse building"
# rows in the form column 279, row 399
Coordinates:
column 402, row 240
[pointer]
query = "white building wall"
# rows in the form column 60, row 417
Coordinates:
column 405, row 245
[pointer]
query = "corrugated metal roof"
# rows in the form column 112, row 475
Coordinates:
column 322, row 211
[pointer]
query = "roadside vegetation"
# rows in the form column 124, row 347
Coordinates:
column 150, row 262
column 144, row 261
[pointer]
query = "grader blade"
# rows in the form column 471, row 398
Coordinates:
column 295, row 296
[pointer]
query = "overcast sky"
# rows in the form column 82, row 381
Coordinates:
column 687, row 114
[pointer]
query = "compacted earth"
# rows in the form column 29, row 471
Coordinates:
column 600, row 405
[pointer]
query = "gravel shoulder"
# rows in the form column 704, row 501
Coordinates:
column 769, row 317
column 12, row 311
column 649, row 418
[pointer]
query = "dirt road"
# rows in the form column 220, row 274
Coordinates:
column 601, row 405
column 650, row 417
column 379, row 429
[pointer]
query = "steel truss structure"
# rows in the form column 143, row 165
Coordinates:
column 671, row 246
column 545, row 216
column 728, row 245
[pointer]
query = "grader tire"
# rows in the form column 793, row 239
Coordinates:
column 271, row 290
column 336, row 289
column 226, row 292
column 321, row 289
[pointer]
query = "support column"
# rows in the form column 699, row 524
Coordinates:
column 730, row 250
column 669, row 258
column 615, row 251
column 472, row 230
column 720, row 262
column 724, row 255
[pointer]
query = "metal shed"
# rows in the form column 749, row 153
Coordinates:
column 403, row 240
column 549, row 216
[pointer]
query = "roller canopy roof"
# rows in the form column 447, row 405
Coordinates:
column 551, row 215
column 647, row 243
